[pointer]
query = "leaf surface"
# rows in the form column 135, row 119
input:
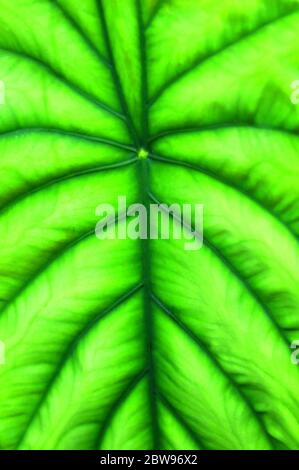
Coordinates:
column 141, row 344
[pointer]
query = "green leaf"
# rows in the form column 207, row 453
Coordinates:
column 141, row 344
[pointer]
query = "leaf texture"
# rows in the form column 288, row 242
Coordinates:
column 140, row 344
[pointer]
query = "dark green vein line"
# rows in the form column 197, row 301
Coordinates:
column 234, row 271
column 144, row 182
column 224, row 181
column 116, row 405
column 115, row 75
column 155, row 12
column 143, row 60
column 68, row 176
column 148, row 314
column 72, row 86
column 71, row 349
column 84, row 37
column 202, row 60
column 181, row 420
column 222, row 126
column 203, row 347
column 64, row 133
column 66, row 247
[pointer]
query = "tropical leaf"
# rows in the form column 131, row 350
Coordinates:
column 141, row 344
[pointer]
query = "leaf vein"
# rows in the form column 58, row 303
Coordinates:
column 198, row 62
column 203, row 347
column 214, row 176
column 70, row 351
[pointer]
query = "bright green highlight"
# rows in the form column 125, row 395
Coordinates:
column 129, row 344
column 143, row 154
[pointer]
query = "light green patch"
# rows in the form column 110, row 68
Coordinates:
column 143, row 154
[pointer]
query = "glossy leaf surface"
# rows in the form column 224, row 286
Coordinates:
column 129, row 344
